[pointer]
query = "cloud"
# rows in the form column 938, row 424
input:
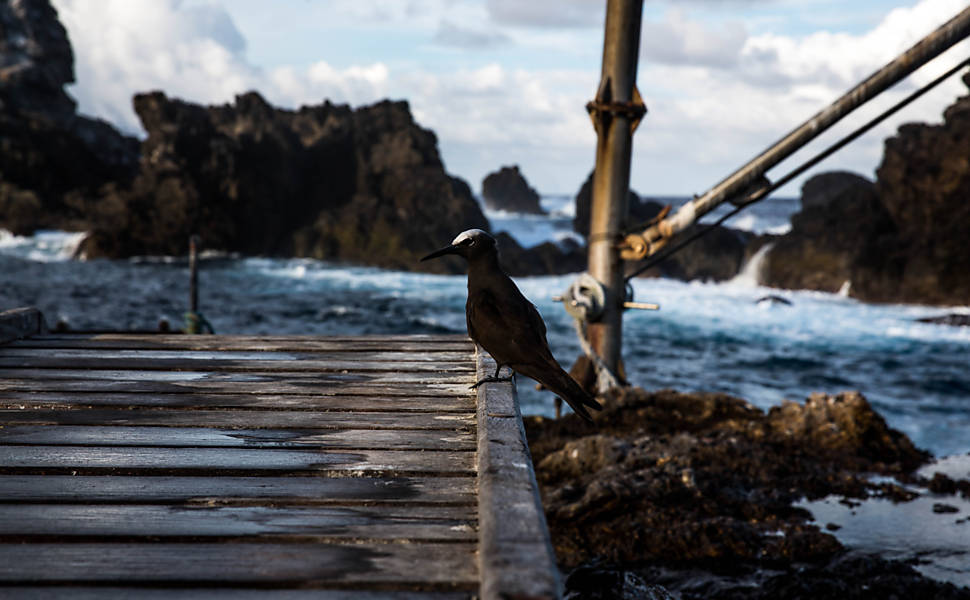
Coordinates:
column 450, row 34
column 679, row 41
column 562, row 13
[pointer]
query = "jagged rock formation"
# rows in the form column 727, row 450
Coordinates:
column 507, row 189
column 900, row 239
column 838, row 227
column 51, row 158
column 324, row 181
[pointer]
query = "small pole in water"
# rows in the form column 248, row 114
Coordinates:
column 194, row 321
column 194, row 275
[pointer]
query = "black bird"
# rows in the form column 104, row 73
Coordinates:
column 503, row 322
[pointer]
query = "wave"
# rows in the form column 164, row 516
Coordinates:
column 43, row 246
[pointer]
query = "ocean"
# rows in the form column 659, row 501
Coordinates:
column 706, row 336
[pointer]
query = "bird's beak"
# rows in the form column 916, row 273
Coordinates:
column 442, row 252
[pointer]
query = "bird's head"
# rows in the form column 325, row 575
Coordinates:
column 470, row 244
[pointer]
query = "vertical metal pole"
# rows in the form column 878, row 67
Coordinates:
column 611, row 180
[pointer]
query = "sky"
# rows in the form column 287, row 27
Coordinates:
column 505, row 82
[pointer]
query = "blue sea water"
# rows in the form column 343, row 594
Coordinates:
column 706, row 337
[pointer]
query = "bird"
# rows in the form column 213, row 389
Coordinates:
column 507, row 325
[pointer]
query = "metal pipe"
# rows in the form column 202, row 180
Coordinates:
column 615, row 113
column 751, row 174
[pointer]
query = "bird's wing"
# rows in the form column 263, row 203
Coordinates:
column 510, row 332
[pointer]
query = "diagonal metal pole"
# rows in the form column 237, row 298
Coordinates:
column 615, row 112
column 747, row 179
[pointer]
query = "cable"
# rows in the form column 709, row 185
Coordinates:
column 763, row 193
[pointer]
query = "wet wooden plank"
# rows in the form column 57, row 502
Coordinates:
column 56, row 522
column 255, row 419
column 373, row 402
column 103, row 592
column 100, row 435
column 452, row 566
column 265, row 378
column 234, row 384
column 423, row 356
column 66, row 365
column 238, row 490
column 91, row 459
column 251, row 343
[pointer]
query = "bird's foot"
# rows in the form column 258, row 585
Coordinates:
column 489, row 379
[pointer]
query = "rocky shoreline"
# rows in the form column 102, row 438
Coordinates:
column 696, row 493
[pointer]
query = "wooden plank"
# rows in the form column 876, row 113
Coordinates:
column 237, row 490
column 364, row 403
column 94, row 459
column 450, row 566
column 67, row 365
column 238, row 355
column 515, row 551
column 265, row 378
column 256, row 419
column 61, row 522
column 251, row 343
column 98, row 435
column 237, row 384
column 91, row 592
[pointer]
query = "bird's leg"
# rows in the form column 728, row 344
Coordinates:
column 492, row 378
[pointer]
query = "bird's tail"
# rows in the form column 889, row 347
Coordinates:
column 564, row 386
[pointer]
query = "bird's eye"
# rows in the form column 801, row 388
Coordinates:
column 467, row 242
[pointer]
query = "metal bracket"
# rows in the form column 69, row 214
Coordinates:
column 634, row 110
column 586, row 298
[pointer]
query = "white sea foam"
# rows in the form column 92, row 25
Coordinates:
column 43, row 246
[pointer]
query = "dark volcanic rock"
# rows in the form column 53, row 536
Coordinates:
column 705, row 483
column 955, row 319
column 507, row 189
column 840, row 228
column 51, row 159
column 324, row 181
column 902, row 239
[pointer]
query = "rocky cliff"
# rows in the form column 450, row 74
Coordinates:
column 50, row 158
column 324, row 181
column 901, row 238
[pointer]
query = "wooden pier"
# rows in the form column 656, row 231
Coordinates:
column 175, row 466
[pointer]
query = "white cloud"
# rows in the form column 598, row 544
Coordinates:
column 562, row 13
column 679, row 41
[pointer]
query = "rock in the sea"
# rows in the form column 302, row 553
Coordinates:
column 839, row 228
column 507, row 189
column 900, row 239
column 52, row 159
column 954, row 320
column 324, row 181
